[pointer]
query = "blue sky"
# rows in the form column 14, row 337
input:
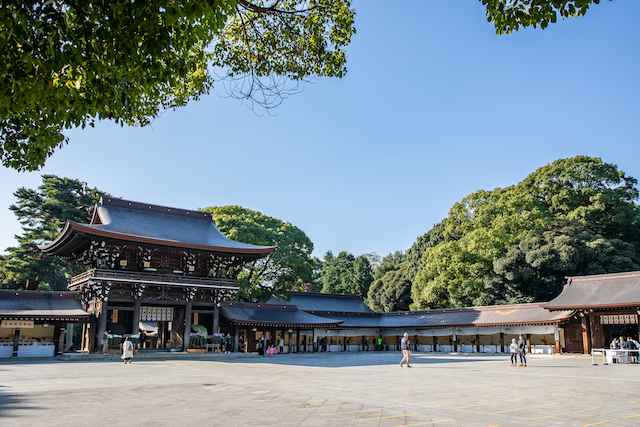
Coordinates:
column 434, row 107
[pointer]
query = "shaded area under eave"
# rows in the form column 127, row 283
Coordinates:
column 41, row 305
column 285, row 316
column 598, row 291
column 130, row 221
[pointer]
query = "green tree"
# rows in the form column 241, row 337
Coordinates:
column 534, row 267
column 345, row 274
column 68, row 64
column 277, row 274
column 510, row 15
column 43, row 213
column 487, row 226
column 389, row 263
column 428, row 240
column 391, row 292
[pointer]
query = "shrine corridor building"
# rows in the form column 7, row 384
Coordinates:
column 155, row 271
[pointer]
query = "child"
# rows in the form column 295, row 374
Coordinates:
column 271, row 350
column 514, row 352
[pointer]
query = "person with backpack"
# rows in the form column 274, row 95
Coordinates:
column 521, row 350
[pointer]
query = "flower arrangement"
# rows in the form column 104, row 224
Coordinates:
column 197, row 340
column 218, row 338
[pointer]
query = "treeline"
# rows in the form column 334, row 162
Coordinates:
column 517, row 244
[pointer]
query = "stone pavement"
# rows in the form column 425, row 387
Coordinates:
column 327, row 389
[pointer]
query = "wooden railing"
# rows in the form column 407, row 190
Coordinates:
column 148, row 277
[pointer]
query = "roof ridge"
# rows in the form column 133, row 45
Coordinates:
column 130, row 204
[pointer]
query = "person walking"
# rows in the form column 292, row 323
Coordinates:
column 514, row 352
column 127, row 351
column 521, row 350
column 281, row 345
column 405, row 345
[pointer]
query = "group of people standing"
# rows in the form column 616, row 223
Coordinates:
column 627, row 344
column 518, row 348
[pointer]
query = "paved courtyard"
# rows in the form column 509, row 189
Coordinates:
column 343, row 389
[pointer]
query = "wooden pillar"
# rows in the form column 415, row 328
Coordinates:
column 102, row 327
column 187, row 326
column 529, row 343
column 216, row 320
column 290, row 342
column 83, row 343
column 454, row 340
column 59, row 338
column 586, row 335
column 477, row 343
column 68, row 337
column 501, row 342
column 557, row 337
column 435, row 344
column 16, row 342
column 313, row 342
column 136, row 318
column 236, row 338
column 304, row 343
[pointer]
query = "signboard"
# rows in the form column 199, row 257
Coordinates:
column 16, row 324
column 619, row 319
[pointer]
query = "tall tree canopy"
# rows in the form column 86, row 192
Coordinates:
column 391, row 289
column 289, row 265
column 574, row 216
column 346, row 274
column 43, row 212
column 67, row 64
column 510, row 15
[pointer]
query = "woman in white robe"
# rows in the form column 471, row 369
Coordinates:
column 127, row 350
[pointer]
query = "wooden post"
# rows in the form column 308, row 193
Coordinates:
column 501, row 342
column 304, row 343
column 16, row 342
column 586, row 336
column 60, row 338
column 454, row 340
column 477, row 343
column 187, row 326
column 136, row 318
column 290, row 342
column 558, row 348
column 68, row 337
column 102, row 328
column 216, row 320
column 529, row 343
column 236, row 338
column 435, row 343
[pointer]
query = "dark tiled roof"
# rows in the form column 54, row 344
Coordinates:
column 599, row 291
column 516, row 314
column 34, row 304
column 138, row 222
column 327, row 303
column 272, row 315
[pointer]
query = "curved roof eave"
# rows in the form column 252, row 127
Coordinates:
column 71, row 226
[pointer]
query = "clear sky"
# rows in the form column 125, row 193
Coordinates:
column 434, row 107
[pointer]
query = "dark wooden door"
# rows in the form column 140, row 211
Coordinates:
column 573, row 339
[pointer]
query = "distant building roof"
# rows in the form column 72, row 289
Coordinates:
column 271, row 315
column 351, row 312
column 40, row 305
column 327, row 303
column 598, row 291
column 128, row 221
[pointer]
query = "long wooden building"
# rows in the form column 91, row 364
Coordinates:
column 155, row 271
